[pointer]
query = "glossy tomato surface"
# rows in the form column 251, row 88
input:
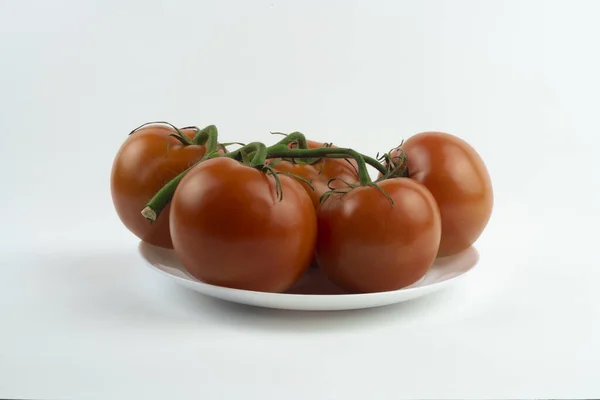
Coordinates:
column 321, row 173
column 140, row 169
column 230, row 229
column 366, row 245
column 460, row 183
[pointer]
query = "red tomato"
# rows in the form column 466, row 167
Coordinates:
column 457, row 177
column 140, row 169
column 321, row 173
column 366, row 245
column 230, row 229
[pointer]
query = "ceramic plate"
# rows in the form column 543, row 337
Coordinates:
column 313, row 291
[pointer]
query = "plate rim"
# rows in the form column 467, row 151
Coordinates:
column 348, row 296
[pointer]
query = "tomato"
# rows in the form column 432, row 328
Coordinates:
column 141, row 168
column 367, row 245
column 321, row 173
column 458, row 179
column 230, row 229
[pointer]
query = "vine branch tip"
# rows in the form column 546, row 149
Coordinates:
column 149, row 214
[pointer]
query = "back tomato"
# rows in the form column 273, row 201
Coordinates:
column 140, row 169
column 321, row 173
column 460, row 183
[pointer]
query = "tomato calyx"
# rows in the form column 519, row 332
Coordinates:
column 201, row 136
column 395, row 162
column 333, row 191
column 336, row 191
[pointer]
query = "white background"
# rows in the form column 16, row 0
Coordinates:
column 83, row 318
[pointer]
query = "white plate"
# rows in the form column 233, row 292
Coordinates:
column 313, row 291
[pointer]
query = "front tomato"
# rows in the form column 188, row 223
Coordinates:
column 229, row 227
column 366, row 244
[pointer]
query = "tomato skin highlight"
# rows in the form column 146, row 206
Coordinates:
column 460, row 183
column 366, row 245
column 140, row 169
column 321, row 173
column 230, row 229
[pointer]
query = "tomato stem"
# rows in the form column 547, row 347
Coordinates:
column 207, row 136
column 160, row 200
column 297, row 137
column 260, row 154
column 302, row 144
column 202, row 135
column 194, row 127
column 211, row 142
column 282, row 151
column 253, row 154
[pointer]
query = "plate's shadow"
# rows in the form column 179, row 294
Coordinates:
column 209, row 310
column 314, row 281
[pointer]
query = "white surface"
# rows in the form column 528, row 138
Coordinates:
column 82, row 319
column 313, row 291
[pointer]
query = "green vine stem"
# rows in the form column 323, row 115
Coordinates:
column 297, row 137
column 260, row 155
column 208, row 136
column 255, row 155
column 300, row 139
column 211, row 142
column 160, row 200
column 281, row 151
column 202, row 135
column 194, row 127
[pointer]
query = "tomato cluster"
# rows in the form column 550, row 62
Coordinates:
column 255, row 218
